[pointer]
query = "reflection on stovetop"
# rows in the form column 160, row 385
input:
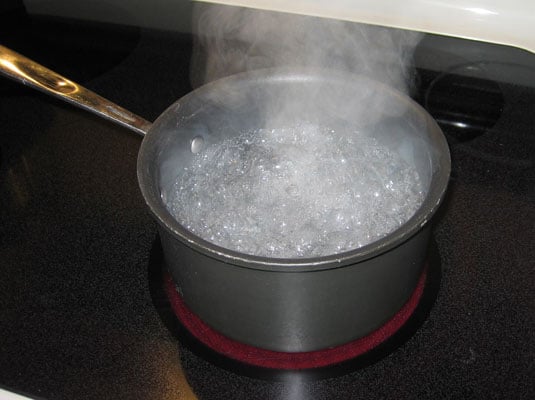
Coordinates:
column 76, row 312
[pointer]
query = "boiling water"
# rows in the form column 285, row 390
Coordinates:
column 304, row 191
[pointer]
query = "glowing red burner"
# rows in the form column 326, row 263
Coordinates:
column 290, row 361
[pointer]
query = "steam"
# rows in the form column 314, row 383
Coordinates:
column 314, row 136
column 234, row 39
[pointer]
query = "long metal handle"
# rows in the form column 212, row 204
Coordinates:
column 30, row 73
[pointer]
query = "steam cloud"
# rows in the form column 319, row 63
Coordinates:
column 234, row 39
column 330, row 109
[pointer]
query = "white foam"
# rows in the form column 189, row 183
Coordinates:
column 303, row 191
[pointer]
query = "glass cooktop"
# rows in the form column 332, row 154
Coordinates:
column 79, row 314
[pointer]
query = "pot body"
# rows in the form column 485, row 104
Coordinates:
column 302, row 304
column 296, row 311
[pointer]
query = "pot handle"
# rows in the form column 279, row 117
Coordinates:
column 23, row 70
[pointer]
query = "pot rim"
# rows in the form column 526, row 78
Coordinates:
column 433, row 199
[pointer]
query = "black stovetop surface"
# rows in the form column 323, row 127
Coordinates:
column 77, row 318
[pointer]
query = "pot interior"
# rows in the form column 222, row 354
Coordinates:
column 266, row 99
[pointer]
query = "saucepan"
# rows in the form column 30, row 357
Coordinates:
column 295, row 304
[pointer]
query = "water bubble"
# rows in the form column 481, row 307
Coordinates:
column 301, row 191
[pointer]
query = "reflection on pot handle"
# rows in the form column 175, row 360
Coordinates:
column 23, row 70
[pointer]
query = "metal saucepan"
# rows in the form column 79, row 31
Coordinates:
column 291, row 305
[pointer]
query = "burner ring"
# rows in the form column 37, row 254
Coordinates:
column 372, row 348
column 289, row 361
